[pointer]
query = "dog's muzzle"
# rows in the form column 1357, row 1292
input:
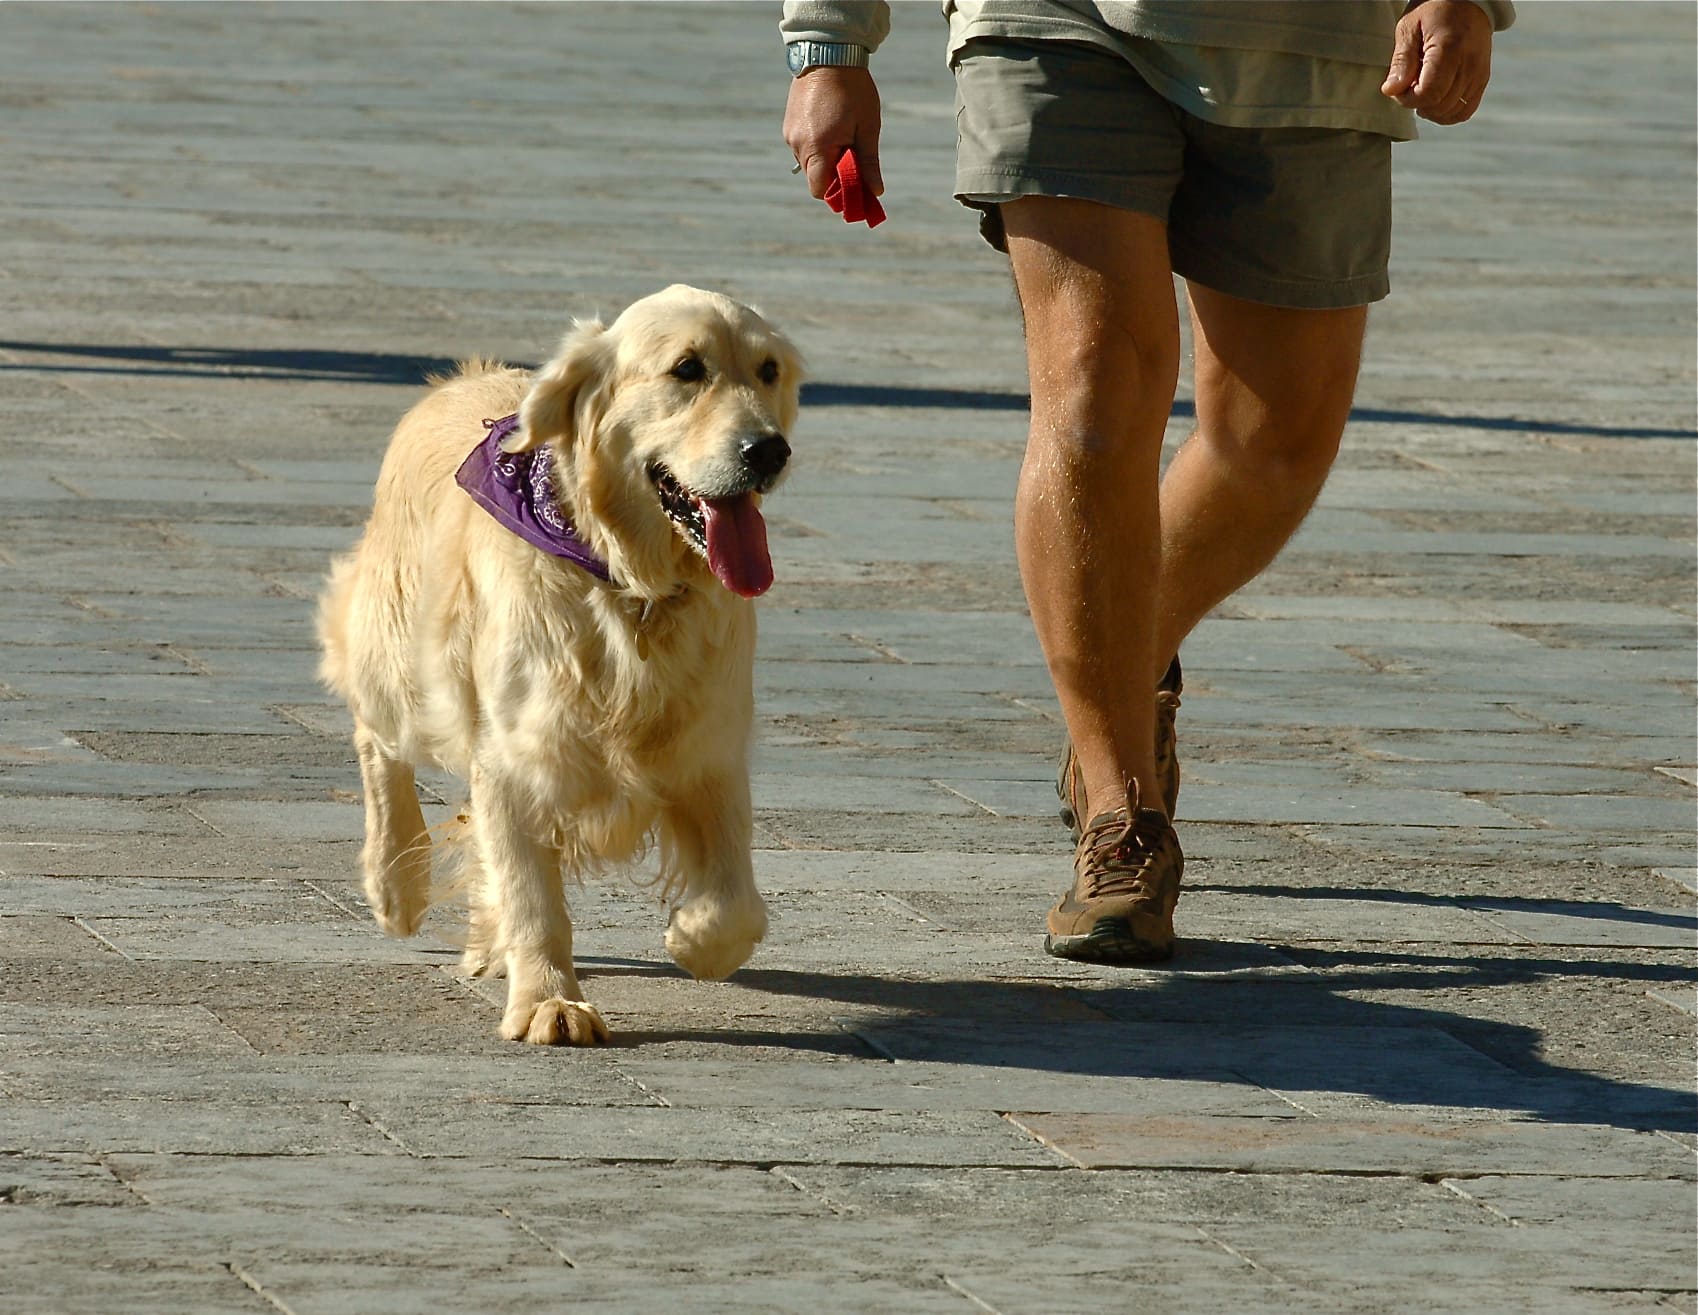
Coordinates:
column 765, row 457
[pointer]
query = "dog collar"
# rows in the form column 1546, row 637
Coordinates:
column 517, row 488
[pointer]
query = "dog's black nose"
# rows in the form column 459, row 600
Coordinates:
column 765, row 456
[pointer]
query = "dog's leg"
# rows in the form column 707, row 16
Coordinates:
column 545, row 1004
column 482, row 956
column 722, row 917
column 396, row 857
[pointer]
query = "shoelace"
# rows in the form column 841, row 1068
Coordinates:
column 1119, row 848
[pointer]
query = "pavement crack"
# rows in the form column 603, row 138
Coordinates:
column 870, row 1042
column 643, row 1087
column 124, row 1182
column 837, row 1207
column 368, row 1117
column 536, row 1237
column 1026, row 705
column 1236, row 1254
column 1045, row 1142
column 1297, row 1105
column 208, row 825
column 1455, row 1189
column 955, row 1285
column 883, row 650
column 77, row 921
column 912, row 912
column 333, row 901
column 950, row 789
column 254, row 1285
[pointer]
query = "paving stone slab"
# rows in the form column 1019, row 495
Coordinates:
column 1391, row 1063
column 239, row 1231
column 72, row 1030
column 1684, row 1000
column 881, row 1085
column 846, row 793
column 1342, row 806
column 344, row 941
column 1130, row 1141
column 1654, row 1207
column 50, row 938
column 293, row 821
column 1231, row 915
column 187, row 1126
column 21, row 815
column 167, row 1286
column 1607, row 924
column 59, row 1180
column 495, row 1070
column 357, row 1290
column 1603, row 812
column 1196, row 1281
column 749, row 1136
column 1538, row 1257
column 128, row 897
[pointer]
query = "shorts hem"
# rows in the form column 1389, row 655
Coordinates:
column 1294, row 294
column 982, row 187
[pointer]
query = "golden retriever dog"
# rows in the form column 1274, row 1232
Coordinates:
column 594, row 688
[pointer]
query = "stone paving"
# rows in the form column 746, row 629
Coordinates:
column 1428, row 1043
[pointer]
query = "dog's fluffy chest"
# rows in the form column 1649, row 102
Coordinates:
column 601, row 674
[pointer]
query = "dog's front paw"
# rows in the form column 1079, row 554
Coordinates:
column 555, row 1021
column 399, row 911
column 398, row 890
column 711, row 939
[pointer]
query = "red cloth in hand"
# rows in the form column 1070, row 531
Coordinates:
column 850, row 197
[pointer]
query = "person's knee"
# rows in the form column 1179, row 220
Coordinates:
column 1291, row 438
column 1095, row 384
column 1289, row 455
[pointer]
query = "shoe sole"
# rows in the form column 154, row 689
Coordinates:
column 1111, row 940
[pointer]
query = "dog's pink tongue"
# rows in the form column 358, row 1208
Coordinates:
column 736, row 544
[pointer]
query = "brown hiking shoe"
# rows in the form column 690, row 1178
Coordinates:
column 1126, row 874
column 1070, row 790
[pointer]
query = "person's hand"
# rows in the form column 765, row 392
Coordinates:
column 829, row 110
column 1442, row 59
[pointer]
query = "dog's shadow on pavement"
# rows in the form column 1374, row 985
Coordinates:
column 1353, row 1022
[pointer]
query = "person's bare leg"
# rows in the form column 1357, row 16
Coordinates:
column 1102, row 347
column 1273, row 388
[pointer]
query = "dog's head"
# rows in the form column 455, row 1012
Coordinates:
column 669, row 425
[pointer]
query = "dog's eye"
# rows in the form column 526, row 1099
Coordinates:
column 690, row 370
column 769, row 371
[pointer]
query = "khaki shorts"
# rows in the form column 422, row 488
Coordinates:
column 1286, row 216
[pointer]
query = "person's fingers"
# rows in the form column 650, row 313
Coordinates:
column 1461, row 106
column 1471, row 102
column 1440, row 82
column 866, row 155
column 1405, row 62
column 821, row 170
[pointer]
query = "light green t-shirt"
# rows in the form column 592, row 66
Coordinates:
column 1243, row 63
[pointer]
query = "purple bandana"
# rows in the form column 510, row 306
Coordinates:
column 517, row 488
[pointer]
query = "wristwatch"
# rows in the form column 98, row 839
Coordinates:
column 804, row 55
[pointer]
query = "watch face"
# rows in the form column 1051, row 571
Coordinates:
column 795, row 55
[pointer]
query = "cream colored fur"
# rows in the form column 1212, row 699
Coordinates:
column 585, row 730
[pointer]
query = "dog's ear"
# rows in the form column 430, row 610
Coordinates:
column 564, row 389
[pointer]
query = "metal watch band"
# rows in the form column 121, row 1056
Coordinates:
column 802, row 55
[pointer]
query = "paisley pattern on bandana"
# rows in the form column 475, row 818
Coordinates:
column 517, row 488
